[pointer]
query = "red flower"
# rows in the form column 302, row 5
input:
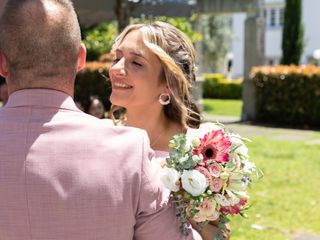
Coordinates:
column 213, row 147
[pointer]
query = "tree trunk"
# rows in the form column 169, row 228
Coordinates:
column 123, row 14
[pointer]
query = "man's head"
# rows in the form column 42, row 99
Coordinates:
column 40, row 44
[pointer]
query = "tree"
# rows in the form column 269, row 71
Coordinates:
column 99, row 39
column 292, row 35
column 123, row 10
column 217, row 36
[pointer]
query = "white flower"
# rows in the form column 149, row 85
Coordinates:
column 193, row 136
column 233, row 199
column 221, row 200
column 237, row 141
column 209, row 127
column 194, row 182
column 235, row 182
column 170, row 178
column 249, row 167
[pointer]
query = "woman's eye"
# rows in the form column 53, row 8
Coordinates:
column 137, row 64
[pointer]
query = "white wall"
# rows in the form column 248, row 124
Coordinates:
column 311, row 21
column 237, row 46
column 273, row 35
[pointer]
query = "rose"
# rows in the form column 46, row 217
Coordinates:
column 205, row 172
column 194, row 182
column 216, row 184
column 207, row 211
column 215, row 169
column 170, row 178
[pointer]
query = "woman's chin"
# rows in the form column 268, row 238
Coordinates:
column 117, row 101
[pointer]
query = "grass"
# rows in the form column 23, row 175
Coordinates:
column 286, row 199
column 222, row 107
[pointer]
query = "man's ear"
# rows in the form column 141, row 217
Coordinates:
column 82, row 57
column 4, row 66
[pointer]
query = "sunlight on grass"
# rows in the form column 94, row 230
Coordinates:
column 285, row 200
column 222, row 107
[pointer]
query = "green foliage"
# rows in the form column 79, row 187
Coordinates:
column 183, row 24
column 216, row 86
column 93, row 81
column 216, row 37
column 292, row 99
column 99, row 39
column 292, row 36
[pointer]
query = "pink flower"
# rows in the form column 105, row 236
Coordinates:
column 215, row 169
column 243, row 202
column 213, row 147
column 205, row 172
column 216, row 184
column 207, row 210
column 235, row 209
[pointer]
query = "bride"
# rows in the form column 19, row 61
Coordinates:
column 151, row 78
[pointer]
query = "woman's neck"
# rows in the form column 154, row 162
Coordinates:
column 159, row 128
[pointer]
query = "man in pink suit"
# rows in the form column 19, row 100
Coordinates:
column 64, row 174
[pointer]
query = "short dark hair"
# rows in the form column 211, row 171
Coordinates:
column 37, row 40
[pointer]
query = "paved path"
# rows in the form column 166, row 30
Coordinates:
column 306, row 236
column 248, row 130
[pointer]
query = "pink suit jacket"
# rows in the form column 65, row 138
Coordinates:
column 67, row 175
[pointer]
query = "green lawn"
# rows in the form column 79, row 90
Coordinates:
column 286, row 199
column 222, row 107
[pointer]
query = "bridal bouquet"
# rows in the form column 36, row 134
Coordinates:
column 208, row 172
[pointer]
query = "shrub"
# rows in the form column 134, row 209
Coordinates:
column 99, row 39
column 93, row 80
column 288, row 95
column 216, row 86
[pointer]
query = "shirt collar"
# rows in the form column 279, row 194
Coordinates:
column 41, row 98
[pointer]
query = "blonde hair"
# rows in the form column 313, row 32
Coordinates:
column 177, row 56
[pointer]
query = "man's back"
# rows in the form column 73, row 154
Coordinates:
column 65, row 175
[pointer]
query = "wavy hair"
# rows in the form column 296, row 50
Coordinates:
column 177, row 56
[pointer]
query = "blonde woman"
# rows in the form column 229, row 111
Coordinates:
column 151, row 78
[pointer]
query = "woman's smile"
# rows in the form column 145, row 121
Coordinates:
column 121, row 86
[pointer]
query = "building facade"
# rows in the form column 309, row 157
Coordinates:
column 273, row 12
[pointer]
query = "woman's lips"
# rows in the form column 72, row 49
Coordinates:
column 121, row 85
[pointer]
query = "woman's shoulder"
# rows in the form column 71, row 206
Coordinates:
column 107, row 121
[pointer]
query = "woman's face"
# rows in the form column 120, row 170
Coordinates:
column 135, row 74
column 96, row 109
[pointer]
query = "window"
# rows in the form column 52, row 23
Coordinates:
column 272, row 17
column 281, row 16
column 265, row 13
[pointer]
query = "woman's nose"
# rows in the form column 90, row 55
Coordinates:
column 118, row 68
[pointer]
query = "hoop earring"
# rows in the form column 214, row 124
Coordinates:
column 167, row 97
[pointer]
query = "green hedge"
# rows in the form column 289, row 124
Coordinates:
column 216, row 86
column 93, row 80
column 288, row 96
